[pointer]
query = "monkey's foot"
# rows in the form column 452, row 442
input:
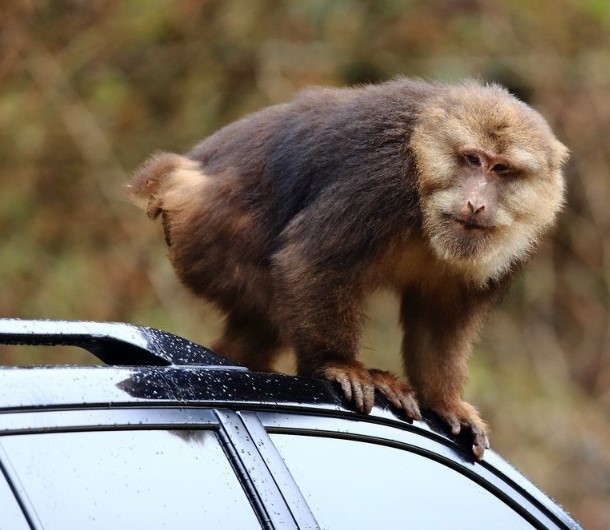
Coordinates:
column 397, row 392
column 464, row 415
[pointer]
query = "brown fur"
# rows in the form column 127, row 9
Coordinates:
column 288, row 218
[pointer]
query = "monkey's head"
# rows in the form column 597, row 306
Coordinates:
column 489, row 178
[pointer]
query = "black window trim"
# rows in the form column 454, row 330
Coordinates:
column 279, row 471
column 103, row 419
column 243, row 452
column 20, row 494
column 11, row 493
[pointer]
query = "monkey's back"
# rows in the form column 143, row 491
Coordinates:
column 348, row 142
column 330, row 164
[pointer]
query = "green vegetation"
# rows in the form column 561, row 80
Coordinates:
column 89, row 88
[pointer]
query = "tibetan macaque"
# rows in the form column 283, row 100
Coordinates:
column 288, row 218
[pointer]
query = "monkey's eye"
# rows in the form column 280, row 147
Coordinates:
column 473, row 160
column 500, row 168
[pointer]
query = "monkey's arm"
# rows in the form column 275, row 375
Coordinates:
column 319, row 297
column 320, row 311
column 438, row 333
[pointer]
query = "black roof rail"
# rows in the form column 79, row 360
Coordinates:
column 113, row 343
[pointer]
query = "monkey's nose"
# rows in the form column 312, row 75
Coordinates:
column 476, row 208
column 472, row 215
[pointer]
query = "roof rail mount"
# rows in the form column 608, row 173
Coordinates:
column 114, row 343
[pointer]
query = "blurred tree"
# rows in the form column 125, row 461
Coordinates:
column 90, row 87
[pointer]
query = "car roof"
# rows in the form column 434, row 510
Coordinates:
column 146, row 367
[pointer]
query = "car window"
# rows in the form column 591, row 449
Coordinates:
column 354, row 484
column 129, row 479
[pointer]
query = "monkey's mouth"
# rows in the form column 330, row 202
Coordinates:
column 469, row 224
column 456, row 238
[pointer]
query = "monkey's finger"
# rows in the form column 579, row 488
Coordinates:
column 477, row 430
column 364, row 396
column 346, row 386
column 410, row 406
column 479, row 445
column 480, row 441
column 454, row 423
column 358, row 394
column 368, row 398
column 397, row 393
column 390, row 394
column 401, row 400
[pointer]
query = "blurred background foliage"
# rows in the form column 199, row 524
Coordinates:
column 88, row 88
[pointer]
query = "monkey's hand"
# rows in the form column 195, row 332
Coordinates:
column 396, row 392
column 355, row 380
column 359, row 385
column 464, row 415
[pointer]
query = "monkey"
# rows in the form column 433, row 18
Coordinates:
column 288, row 218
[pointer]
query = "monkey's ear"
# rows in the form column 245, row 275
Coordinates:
column 560, row 153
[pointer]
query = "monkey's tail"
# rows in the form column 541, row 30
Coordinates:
column 153, row 179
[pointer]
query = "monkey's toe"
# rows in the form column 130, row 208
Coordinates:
column 397, row 392
column 465, row 416
column 356, row 383
column 480, row 442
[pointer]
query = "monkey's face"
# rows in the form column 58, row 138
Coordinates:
column 489, row 179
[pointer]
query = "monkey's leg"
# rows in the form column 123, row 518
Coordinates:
column 320, row 311
column 438, row 333
column 250, row 341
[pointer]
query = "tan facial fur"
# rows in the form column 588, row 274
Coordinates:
column 527, row 199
